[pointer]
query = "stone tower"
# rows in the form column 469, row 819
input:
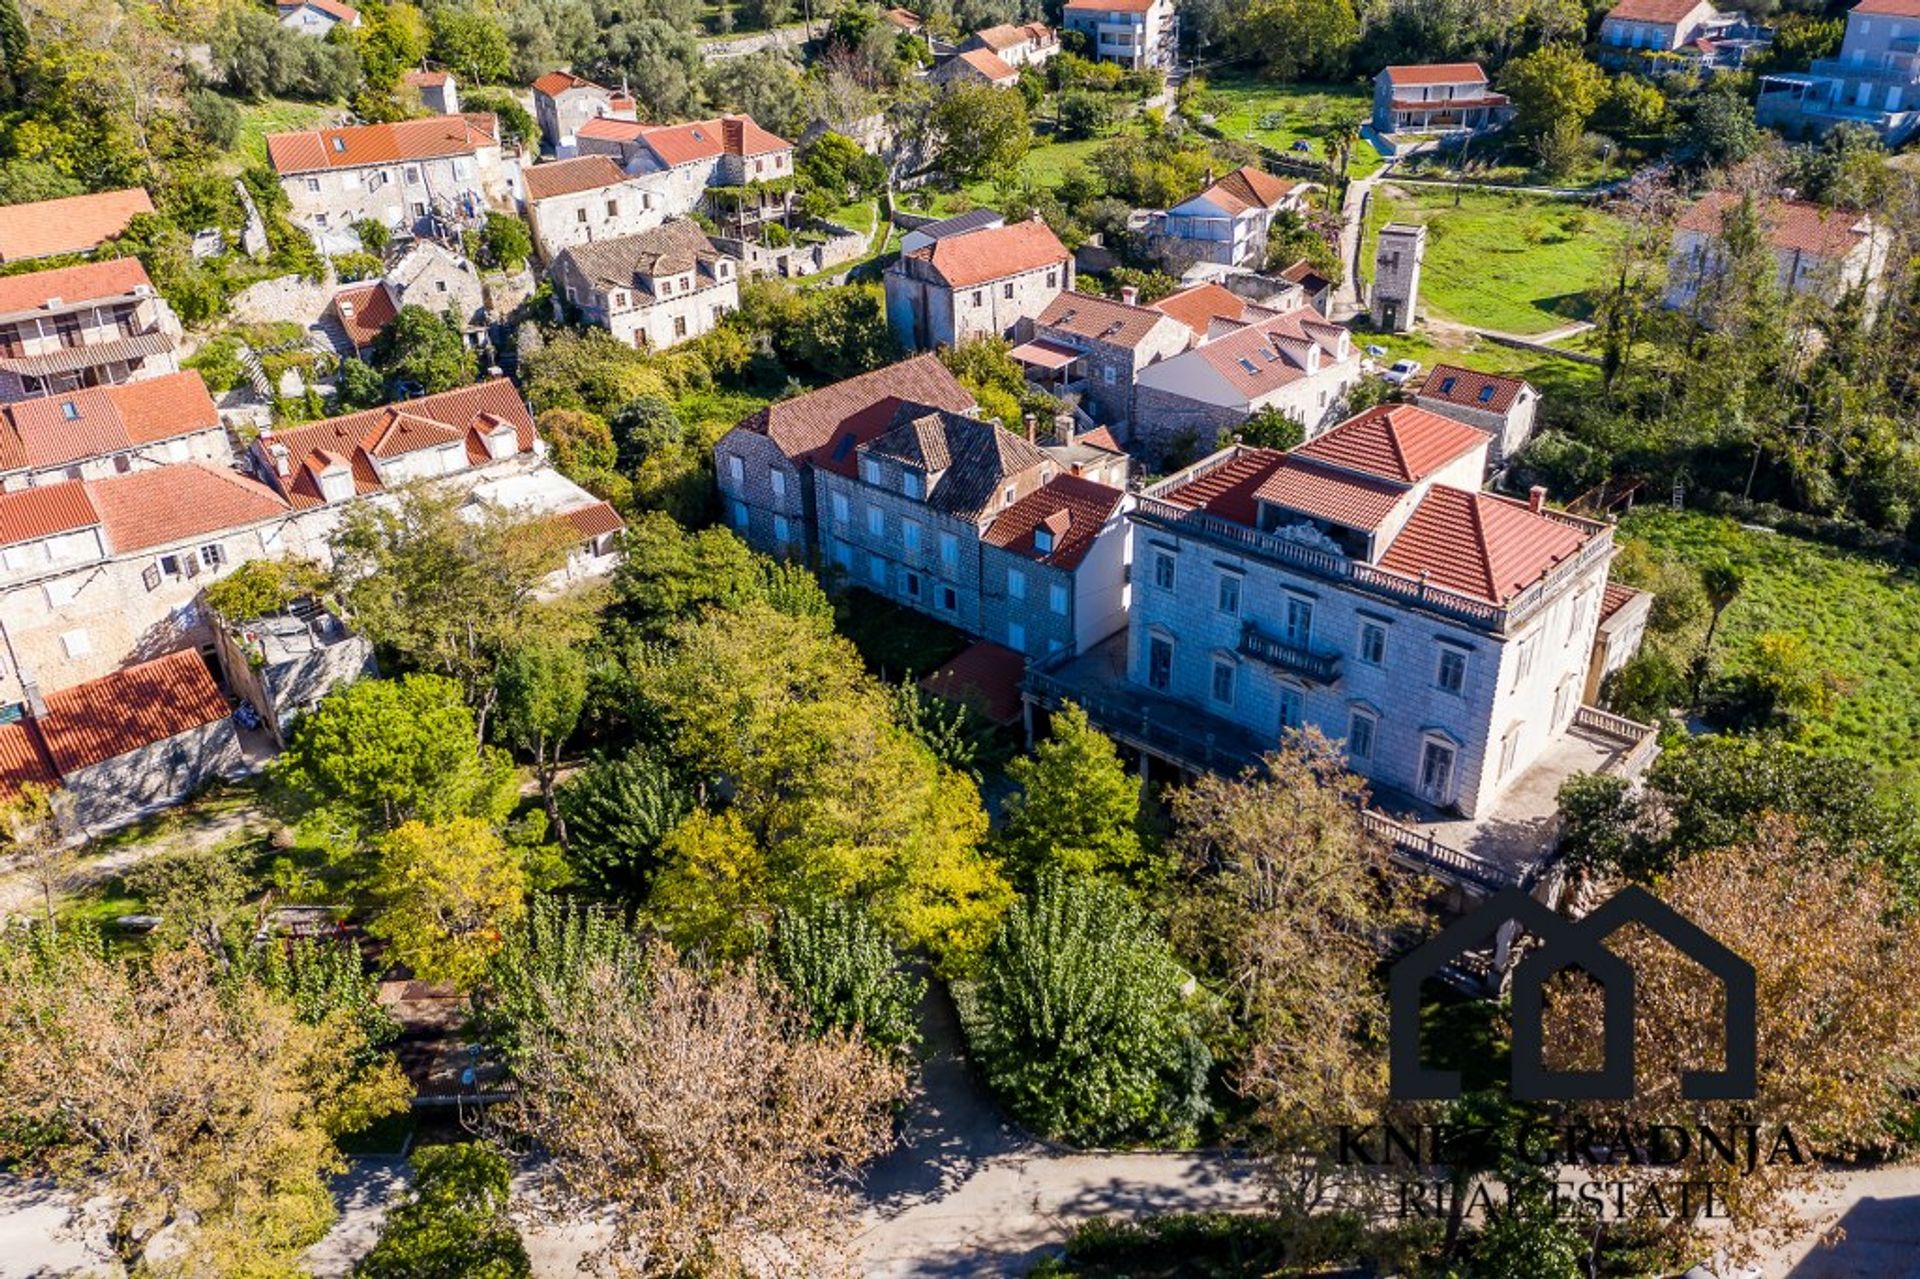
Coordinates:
column 1396, row 276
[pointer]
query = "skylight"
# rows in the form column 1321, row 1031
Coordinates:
column 1446, row 387
column 70, row 411
column 1486, row 393
column 1249, row 365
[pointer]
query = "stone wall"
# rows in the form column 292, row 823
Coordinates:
column 125, row 786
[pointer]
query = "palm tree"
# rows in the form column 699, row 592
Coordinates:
column 1722, row 583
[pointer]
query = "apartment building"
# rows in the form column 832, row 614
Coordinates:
column 1824, row 253
column 1296, row 362
column 1873, row 80
column 1094, row 349
column 982, row 283
column 1363, row 585
column 564, row 103
column 1503, row 407
column 73, row 224
column 98, row 324
column 1441, row 97
column 1138, row 34
column 1226, row 221
column 650, row 290
column 585, row 199
column 424, row 177
column 103, row 431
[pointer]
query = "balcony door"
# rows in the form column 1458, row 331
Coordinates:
column 1159, row 663
column 1299, row 622
column 1436, row 773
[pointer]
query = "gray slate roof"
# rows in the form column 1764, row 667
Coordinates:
column 971, row 458
column 622, row 263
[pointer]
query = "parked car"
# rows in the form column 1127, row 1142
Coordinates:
column 1400, row 372
column 1301, row 144
column 1375, row 350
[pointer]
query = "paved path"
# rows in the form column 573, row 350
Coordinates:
column 20, row 895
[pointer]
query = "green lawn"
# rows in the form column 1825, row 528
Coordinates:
column 1857, row 613
column 1557, row 380
column 276, row 115
column 1517, row 263
column 1278, row 115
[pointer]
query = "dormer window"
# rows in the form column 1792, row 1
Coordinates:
column 1043, row 540
column 70, row 411
column 1486, row 395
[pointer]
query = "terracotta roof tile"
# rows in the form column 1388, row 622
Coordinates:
column 364, row 310
column 989, row 64
column 99, row 421
column 1112, row 6
column 983, row 675
column 358, row 145
column 1006, row 36
column 1229, row 490
column 75, row 224
column 1666, row 12
column 1399, row 442
column 1437, row 73
column 629, row 261
column 678, row 144
column 980, row 256
column 1471, row 389
column 168, row 504
column 1073, row 509
column 554, row 83
column 332, row 8
column 1889, row 8
column 570, row 177
column 1616, row 597
column 595, row 520
column 1479, row 544
column 608, row 129
column 87, row 282
column 1247, row 188
column 105, row 718
column 1792, row 225
column 23, row 759
column 425, row 79
column 1270, row 353
column 31, row 514
column 1199, row 306
column 1100, row 319
column 839, row 418
column 1323, row 493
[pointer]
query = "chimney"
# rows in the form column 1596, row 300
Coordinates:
column 1536, row 498
column 1033, row 434
column 282, row 460
column 1130, row 295
column 30, row 693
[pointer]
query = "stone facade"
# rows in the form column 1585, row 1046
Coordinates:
column 422, row 173
column 100, row 324
column 154, row 776
column 1396, row 276
column 980, row 284
column 626, row 207
column 563, row 103
column 651, row 290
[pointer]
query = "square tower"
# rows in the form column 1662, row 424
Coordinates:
column 1396, row 276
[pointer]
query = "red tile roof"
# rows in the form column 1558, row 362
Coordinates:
column 364, row 310
column 388, row 431
column 1323, row 493
column 1791, row 225
column 1112, row 6
column 1889, row 8
column 1665, row 12
column 1437, row 73
column 1471, row 389
column 1202, row 304
column 609, row 129
column 111, row 419
column 1072, row 508
column 570, row 177
column 1400, row 442
column 88, row 282
column 1479, row 544
column 594, row 520
column 1229, row 490
column 905, row 19
column 989, row 64
column 425, row 79
column 332, row 8
column 75, row 224
column 1007, row 36
column 992, row 254
column 1271, row 352
column 554, row 83
column 170, row 504
column 986, row 676
column 362, row 144
column 1616, row 597
column 31, row 514
column 1247, row 188
column 23, row 760
column 105, row 718
column 678, row 144
column 820, row 422
column 1099, row 319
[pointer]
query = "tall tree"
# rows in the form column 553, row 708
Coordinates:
column 983, row 132
column 445, row 895
column 543, row 688
column 427, row 350
column 1077, row 809
column 618, row 812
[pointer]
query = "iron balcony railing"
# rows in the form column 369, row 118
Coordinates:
column 1317, row 667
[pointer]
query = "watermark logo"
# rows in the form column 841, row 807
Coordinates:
column 1573, row 944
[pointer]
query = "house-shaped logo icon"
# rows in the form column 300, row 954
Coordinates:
column 1573, row 944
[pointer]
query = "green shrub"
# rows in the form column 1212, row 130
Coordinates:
column 838, row 964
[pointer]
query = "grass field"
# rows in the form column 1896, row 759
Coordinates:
column 1857, row 613
column 258, row 119
column 1556, row 380
column 1516, row 263
column 1278, row 115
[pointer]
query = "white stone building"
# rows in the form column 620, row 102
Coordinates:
column 681, row 162
column 1825, row 253
column 104, row 431
column 317, row 17
column 978, row 284
column 97, row 324
column 1226, row 222
column 419, row 176
column 1503, row 407
column 1028, row 44
column 563, row 103
column 650, row 290
column 587, row 198
column 1094, row 348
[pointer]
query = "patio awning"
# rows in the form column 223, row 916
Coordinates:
column 1044, row 354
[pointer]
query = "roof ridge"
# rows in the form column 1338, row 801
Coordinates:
column 1479, row 521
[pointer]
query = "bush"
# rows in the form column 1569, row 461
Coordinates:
column 455, row 1226
column 618, row 809
column 1082, row 114
column 836, row 961
column 357, row 266
column 1078, row 1023
column 506, row 242
column 218, row 363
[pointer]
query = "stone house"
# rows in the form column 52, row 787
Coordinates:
column 1395, row 300
column 584, row 199
column 97, row 324
column 317, row 17
column 1227, row 221
column 1297, row 363
column 764, row 466
column 921, row 236
column 1503, row 407
column 976, row 66
column 1137, row 34
column 1361, row 584
column 437, row 91
column 283, row 664
column 979, row 284
column 72, row 224
column 1873, row 80
column 681, row 163
column 653, row 289
column 1212, row 310
column 1095, row 348
column 110, row 430
column 1054, row 568
column 426, row 275
column 1824, row 253
column 1658, row 26
column 139, row 738
column 1029, row 44
column 564, row 103
column 1440, row 97
column 1316, row 290
column 423, row 177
